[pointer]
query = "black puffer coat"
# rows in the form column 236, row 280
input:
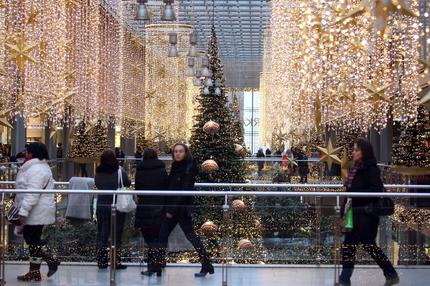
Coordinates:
column 150, row 175
column 367, row 179
column 182, row 177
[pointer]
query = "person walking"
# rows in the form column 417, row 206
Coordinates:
column 151, row 174
column 107, row 179
column 364, row 176
column 303, row 166
column 178, row 208
column 36, row 210
column 260, row 163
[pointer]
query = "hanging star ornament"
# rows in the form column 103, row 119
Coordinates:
column 377, row 94
column 4, row 122
column 137, row 68
column 32, row 17
column 2, row 4
column 346, row 16
column 72, row 4
column 345, row 164
column 19, row 52
column 329, row 154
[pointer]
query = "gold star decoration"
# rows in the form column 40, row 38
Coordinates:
column 72, row 4
column 137, row 41
column 70, row 77
column 383, row 9
column 20, row 52
column 67, row 45
column 292, row 161
column 2, row 4
column 347, row 16
column 279, row 138
column 4, row 122
column 137, row 68
column 32, row 17
column 376, row 95
column 329, row 154
column 345, row 164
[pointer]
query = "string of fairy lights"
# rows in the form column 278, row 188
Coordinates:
column 349, row 64
column 72, row 60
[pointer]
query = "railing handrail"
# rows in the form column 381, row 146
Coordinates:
column 270, row 186
column 218, row 193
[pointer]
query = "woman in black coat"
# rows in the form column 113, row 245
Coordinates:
column 107, row 179
column 364, row 176
column 178, row 208
column 150, row 175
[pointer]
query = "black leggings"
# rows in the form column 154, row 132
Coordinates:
column 186, row 223
column 33, row 237
column 150, row 234
column 103, row 227
column 349, row 250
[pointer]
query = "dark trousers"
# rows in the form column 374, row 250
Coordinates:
column 186, row 223
column 104, row 227
column 349, row 250
column 33, row 237
column 150, row 234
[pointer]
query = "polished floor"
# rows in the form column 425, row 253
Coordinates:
column 237, row 276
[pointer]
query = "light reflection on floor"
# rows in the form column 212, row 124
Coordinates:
column 237, row 276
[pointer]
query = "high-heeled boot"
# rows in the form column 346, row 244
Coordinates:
column 119, row 265
column 207, row 268
column 102, row 257
column 154, row 266
column 52, row 261
column 34, row 273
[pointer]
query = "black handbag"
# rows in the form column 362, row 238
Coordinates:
column 380, row 207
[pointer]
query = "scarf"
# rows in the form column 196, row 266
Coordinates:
column 352, row 173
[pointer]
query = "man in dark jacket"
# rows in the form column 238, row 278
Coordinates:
column 151, row 174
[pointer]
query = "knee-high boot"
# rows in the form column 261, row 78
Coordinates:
column 52, row 260
column 119, row 265
column 34, row 273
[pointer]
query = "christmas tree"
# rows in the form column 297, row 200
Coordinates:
column 88, row 143
column 217, row 143
column 237, row 125
column 214, row 141
column 412, row 142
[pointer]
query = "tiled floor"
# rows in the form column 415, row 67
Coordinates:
column 238, row 276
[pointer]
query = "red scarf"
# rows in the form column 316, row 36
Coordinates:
column 352, row 173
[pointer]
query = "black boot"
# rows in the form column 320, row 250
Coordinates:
column 119, row 265
column 207, row 268
column 51, row 260
column 34, row 273
column 102, row 258
column 154, row 265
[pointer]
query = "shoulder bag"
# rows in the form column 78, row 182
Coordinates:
column 124, row 203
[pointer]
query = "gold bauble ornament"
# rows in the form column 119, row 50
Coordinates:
column 209, row 227
column 258, row 224
column 209, row 166
column 211, row 127
column 239, row 149
column 238, row 205
column 245, row 244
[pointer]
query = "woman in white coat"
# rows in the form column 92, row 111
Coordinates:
column 36, row 210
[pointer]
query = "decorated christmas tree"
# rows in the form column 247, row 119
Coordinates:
column 412, row 142
column 216, row 142
column 88, row 143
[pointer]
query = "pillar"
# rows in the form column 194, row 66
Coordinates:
column 50, row 142
column 111, row 135
column 375, row 140
column 386, row 143
column 128, row 145
column 18, row 135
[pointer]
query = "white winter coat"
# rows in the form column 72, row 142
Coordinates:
column 39, row 209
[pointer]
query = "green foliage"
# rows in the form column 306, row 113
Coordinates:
column 88, row 143
column 412, row 143
column 219, row 147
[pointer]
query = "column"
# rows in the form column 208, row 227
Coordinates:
column 50, row 141
column 111, row 135
column 18, row 135
column 375, row 140
column 128, row 145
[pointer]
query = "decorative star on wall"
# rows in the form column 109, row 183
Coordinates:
column 377, row 94
column 32, row 17
column 329, row 154
column 20, row 52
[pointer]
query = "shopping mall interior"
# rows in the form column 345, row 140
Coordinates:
column 215, row 142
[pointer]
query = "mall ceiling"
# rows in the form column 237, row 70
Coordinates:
column 239, row 25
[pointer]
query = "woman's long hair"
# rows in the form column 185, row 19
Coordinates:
column 150, row 154
column 188, row 155
column 366, row 149
column 109, row 161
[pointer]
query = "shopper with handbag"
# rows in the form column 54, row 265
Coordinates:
column 151, row 174
column 108, row 176
column 364, row 176
column 179, row 208
column 34, row 211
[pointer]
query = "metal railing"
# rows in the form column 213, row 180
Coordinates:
column 226, row 190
